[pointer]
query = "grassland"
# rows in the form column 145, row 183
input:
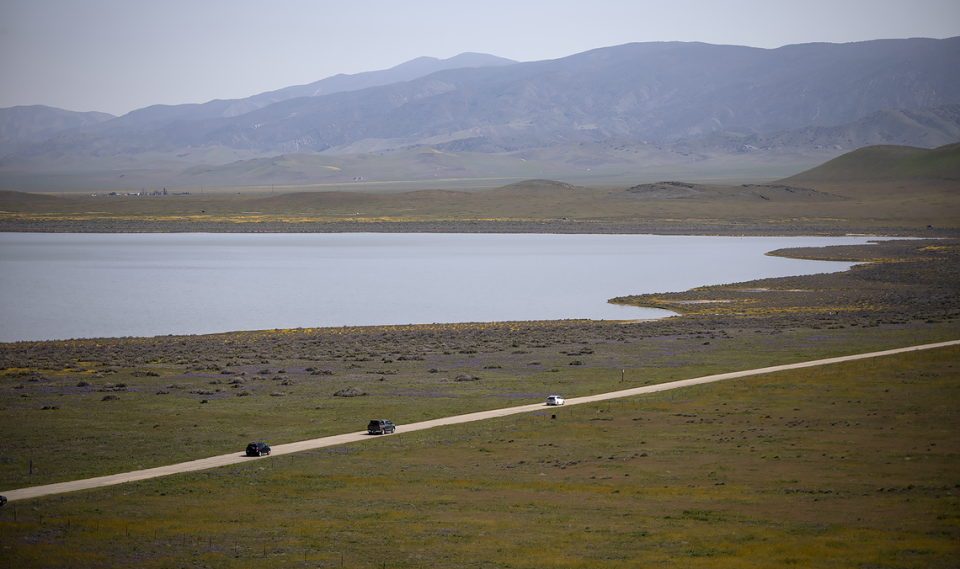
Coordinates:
column 850, row 465
column 883, row 189
column 910, row 208
column 846, row 466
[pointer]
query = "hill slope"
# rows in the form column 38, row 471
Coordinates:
column 887, row 163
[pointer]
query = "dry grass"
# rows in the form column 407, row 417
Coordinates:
column 875, row 206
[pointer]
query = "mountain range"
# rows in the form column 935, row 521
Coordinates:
column 634, row 105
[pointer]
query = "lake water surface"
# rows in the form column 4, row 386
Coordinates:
column 62, row 286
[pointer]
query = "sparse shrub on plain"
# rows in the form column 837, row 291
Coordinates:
column 351, row 391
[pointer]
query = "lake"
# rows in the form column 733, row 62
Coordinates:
column 63, row 286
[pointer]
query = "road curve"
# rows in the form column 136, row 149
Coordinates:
column 237, row 458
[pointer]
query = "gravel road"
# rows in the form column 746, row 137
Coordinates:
column 240, row 457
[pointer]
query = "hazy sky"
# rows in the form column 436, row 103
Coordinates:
column 119, row 55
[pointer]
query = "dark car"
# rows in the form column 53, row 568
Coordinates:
column 258, row 449
column 380, row 427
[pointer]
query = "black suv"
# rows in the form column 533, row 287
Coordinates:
column 257, row 449
column 380, row 427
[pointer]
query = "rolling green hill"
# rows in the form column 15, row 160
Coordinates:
column 887, row 163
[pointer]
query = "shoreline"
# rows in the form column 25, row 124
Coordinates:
column 547, row 226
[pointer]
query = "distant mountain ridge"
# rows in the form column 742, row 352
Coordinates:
column 925, row 128
column 34, row 123
column 15, row 119
column 622, row 108
column 646, row 91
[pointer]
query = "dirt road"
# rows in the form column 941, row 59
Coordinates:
column 236, row 458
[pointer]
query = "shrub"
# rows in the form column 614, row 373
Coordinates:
column 350, row 392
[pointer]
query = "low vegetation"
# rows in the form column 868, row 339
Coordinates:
column 890, row 190
column 842, row 466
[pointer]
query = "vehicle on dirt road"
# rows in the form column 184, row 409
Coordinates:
column 381, row 427
column 555, row 400
column 258, row 449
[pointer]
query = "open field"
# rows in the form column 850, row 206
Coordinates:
column 843, row 466
column 222, row 171
column 903, row 207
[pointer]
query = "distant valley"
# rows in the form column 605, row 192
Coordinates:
column 895, row 190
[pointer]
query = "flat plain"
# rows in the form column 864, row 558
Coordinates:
column 847, row 465
column 842, row 466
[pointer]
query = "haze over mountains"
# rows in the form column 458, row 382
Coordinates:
column 633, row 105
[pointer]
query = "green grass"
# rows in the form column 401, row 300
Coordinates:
column 848, row 465
column 887, row 163
column 866, row 206
column 843, row 466
column 163, row 419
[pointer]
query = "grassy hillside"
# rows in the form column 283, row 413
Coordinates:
column 887, row 163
